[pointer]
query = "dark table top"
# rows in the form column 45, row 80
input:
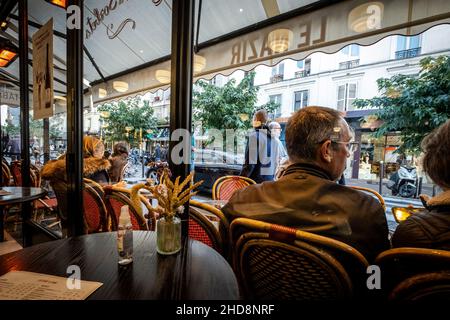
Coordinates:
column 197, row 272
column 21, row 194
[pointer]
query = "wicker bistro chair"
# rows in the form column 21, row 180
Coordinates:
column 115, row 198
column 41, row 205
column 95, row 213
column 434, row 286
column 401, row 266
column 373, row 193
column 6, row 172
column 224, row 187
column 208, row 225
column 96, row 186
column 277, row 262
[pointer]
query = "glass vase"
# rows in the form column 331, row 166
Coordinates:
column 168, row 235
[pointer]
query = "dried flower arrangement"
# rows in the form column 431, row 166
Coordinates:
column 170, row 195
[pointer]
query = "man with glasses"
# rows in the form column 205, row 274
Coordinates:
column 307, row 197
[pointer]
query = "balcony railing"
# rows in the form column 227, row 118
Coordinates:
column 276, row 78
column 348, row 64
column 410, row 53
column 302, row 73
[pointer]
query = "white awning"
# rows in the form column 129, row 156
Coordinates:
column 122, row 36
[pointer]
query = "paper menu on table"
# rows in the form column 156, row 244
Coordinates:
column 23, row 285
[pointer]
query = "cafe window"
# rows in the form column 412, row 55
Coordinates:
column 300, row 99
column 346, row 95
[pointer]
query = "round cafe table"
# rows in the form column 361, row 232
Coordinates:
column 17, row 195
column 196, row 272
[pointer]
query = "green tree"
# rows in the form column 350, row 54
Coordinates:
column 227, row 107
column 133, row 113
column 413, row 104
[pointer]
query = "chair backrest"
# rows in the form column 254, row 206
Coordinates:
column 400, row 264
column 432, row 287
column 60, row 189
column 96, row 186
column 216, row 221
column 224, row 187
column 277, row 262
column 203, row 230
column 16, row 172
column 114, row 200
column 373, row 193
column 6, row 175
column 95, row 214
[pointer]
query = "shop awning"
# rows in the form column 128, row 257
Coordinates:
column 129, row 40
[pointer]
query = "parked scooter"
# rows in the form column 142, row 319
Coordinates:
column 404, row 182
column 155, row 170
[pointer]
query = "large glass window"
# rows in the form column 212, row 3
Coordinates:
column 300, row 99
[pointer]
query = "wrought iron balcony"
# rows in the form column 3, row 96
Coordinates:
column 276, row 78
column 410, row 53
column 348, row 64
column 302, row 73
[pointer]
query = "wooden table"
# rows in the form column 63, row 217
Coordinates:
column 196, row 272
column 18, row 195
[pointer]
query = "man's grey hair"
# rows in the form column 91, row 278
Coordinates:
column 309, row 127
column 273, row 125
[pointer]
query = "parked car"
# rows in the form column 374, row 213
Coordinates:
column 210, row 164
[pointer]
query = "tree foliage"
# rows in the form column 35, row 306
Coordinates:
column 413, row 104
column 227, row 107
column 133, row 113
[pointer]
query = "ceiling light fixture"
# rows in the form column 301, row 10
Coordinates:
column 163, row 76
column 199, row 63
column 59, row 3
column 120, row 86
column 279, row 40
column 8, row 52
column 102, row 93
column 365, row 17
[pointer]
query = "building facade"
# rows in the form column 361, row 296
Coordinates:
column 336, row 80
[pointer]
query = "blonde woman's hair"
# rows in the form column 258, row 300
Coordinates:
column 90, row 145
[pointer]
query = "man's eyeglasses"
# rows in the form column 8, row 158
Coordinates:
column 351, row 146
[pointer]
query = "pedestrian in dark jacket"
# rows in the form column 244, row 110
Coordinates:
column 431, row 227
column 261, row 151
column 307, row 196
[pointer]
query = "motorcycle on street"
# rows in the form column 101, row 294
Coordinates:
column 403, row 182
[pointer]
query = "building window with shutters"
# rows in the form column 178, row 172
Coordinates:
column 300, row 99
column 346, row 95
